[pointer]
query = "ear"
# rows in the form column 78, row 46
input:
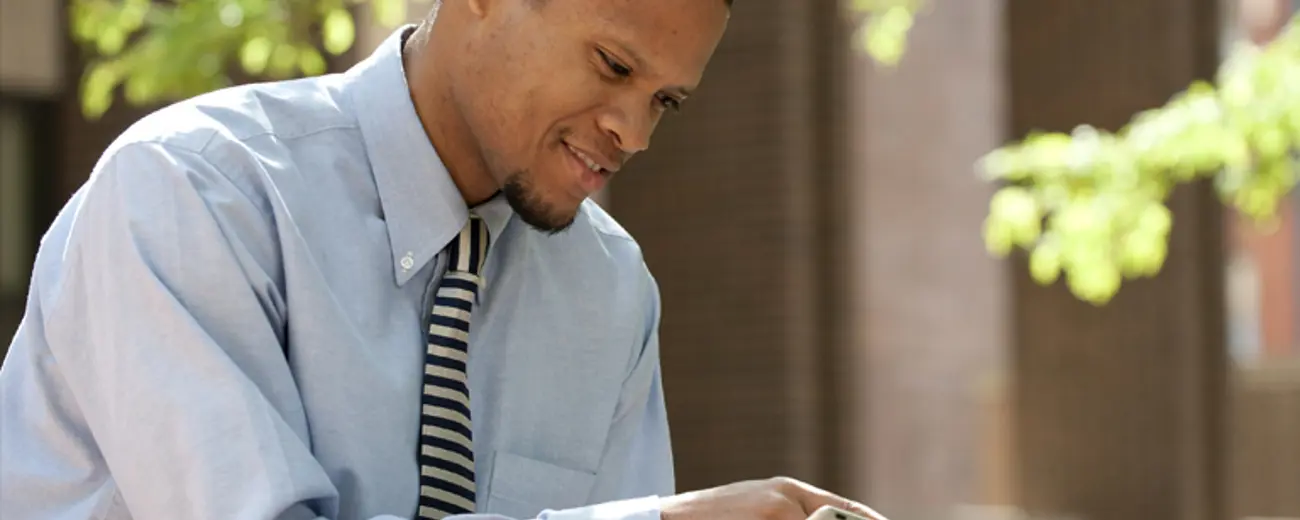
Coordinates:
column 479, row 7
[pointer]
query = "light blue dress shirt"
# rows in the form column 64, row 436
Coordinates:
column 227, row 322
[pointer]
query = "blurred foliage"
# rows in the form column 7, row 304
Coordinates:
column 883, row 32
column 1091, row 204
column 160, row 51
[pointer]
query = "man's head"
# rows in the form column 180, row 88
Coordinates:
column 546, row 99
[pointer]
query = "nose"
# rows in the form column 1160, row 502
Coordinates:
column 630, row 129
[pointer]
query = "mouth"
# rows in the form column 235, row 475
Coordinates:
column 591, row 175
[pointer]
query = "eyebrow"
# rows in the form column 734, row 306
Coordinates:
column 637, row 63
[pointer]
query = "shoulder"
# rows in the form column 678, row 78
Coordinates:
column 207, row 161
column 633, row 289
column 607, row 235
column 595, row 258
column 227, row 143
column 605, row 246
column 286, row 111
column 250, row 116
column 605, row 227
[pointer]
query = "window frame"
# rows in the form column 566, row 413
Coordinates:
column 37, row 119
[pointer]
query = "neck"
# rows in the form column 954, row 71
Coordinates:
column 441, row 118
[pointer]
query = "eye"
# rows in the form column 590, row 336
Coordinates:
column 617, row 68
column 669, row 102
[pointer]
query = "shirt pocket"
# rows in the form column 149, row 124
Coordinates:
column 522, row 487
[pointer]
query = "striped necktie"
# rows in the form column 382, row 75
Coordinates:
column 446, row 440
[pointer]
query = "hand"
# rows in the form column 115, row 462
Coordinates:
column 772, row 499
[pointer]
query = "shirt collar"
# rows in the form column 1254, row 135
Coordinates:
column 422, row 207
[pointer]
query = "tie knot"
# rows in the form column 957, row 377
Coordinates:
column 469, row 249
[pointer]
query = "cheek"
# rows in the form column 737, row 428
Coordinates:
column 504, row 96
column 529, row 106
column 521, row 124
column 534, row 116
column 505, row 120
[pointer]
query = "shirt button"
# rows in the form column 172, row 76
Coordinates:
column 408, row 261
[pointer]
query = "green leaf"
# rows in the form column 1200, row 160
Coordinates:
column 231, row 14
column 171, row 50
column 338, row 31
column 1103, row 194
column 1045, row 263
column 1019, row 211
column 97, row 90
column 310, row 62
column 884, row 35
column 209, row 65
column 133, row 14
column 997, row 236
column 389, row 13
column 1271, row 142
column 1095, row 283
column 284, row 59
column 141, row 88
column 84, row 20
column 255, row 55
column 110, row 41
column 1142, row 254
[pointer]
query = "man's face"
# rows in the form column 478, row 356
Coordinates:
column 558, row 94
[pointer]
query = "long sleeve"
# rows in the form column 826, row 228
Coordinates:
column 639, row 436
column 149, row 378
column 152, row 349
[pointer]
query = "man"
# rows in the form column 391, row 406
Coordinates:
column 259, row 305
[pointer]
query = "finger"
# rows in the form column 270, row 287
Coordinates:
column 861, row 509
column 813, row 498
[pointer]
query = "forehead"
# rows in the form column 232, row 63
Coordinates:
column 672, row 37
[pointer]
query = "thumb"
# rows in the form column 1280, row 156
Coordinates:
column 813, row 498
column 852, row 507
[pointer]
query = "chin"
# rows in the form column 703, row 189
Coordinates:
column 550, row 223
column 547, row 216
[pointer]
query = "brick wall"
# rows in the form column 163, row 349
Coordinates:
column 725, row 206
column 814, row 226
column 932, row 313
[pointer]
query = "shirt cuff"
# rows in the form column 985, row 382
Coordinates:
column 644, row 508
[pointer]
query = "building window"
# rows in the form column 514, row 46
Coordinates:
column 27, row 147
column 16, row 204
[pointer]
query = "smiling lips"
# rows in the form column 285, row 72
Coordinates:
column 591, row 174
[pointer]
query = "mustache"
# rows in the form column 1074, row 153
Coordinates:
column 603, row 145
